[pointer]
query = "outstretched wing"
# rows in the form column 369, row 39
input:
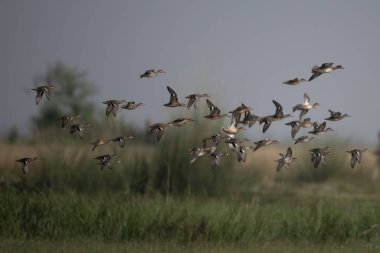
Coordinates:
column 48, row 93
column 191, row 102
column 295, row 130
column 327, row 64
column 159, row 134
column 215, row 112
column 321, row 127
column 353, row 160
column 109, row 109
column 314, row 75
column 289, row 153
column 317, row 160
column 173, row 95
column 303, row 113
column 266, row 125
column 210, row 105
column 115, row 109
column 281, row 163
column 39, row 95
column 279, row 110
column 306, row 99
column 171, row 91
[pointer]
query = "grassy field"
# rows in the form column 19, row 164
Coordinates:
column 86, row 245
column 124, row 218
column 155, row 201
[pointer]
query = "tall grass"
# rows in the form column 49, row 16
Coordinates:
column 125, row 218
column 163, row 168
column 155, row 194
column 147, row 167
column 95, row 246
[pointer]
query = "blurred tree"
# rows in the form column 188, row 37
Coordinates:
column 70, row 95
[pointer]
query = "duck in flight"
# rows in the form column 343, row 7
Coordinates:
column 66, row 119
column 194, row 99
column 306, row 106
column 43, row 90
column 173, row 102
column 158, row 129
column 320, row 129
column 214, row 111
column 356, row 156
column 294, row 81
column 324, row 68
column 131, row 105
column 113, row 106
column 318, row 156
column 285, row 160
column 151, row 73
column 336, row 116
column 121, row 140
column 25, row 161
column 79, row 128
column 278, row 115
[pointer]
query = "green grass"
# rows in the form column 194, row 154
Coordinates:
column 92, row 245
column 124, row 218
column 155, row 201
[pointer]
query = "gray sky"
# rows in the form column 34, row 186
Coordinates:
column 237, row 51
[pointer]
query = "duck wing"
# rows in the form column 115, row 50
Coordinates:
column 279, row 111
column 314, row 75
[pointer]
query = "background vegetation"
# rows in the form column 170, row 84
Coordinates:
column 72, row 94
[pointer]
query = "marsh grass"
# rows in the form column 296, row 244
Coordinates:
column 88, row 245
column 146, row 167
column 155, row 196
column 163, row 168
column 110, row 218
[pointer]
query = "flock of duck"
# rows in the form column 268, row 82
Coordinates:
column 240, row 117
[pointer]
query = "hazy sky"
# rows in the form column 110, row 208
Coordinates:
column 237, row 51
